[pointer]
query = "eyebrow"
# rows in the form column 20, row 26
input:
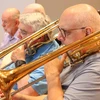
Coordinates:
column 23, row 30
column 61, row 28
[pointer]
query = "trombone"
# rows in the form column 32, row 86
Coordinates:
column 76, row 52
column 50, row 27
column 34, row 36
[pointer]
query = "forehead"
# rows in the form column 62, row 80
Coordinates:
column 67, row 20
column 6, row 17
column 25, row 27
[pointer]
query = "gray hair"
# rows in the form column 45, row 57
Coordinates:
column 35, row 20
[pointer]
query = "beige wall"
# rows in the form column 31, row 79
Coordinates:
column 54, row 8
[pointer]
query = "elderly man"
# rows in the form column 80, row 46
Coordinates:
column 36, row 90
column 35, row 7
column 83, row 81
column 10, row 22
column 30, row 23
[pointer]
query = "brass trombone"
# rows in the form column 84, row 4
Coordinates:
column 34, row 36
column 45, row 30
column 76, row 52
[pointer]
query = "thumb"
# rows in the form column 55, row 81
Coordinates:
column 21, row 47
column 63, row 57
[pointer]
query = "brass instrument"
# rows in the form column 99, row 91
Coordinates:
column 31, row 49
column 76, row 52
column 34, row 36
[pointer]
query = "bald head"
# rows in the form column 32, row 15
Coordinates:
column 10, row 20
column 80, row 8
column 11, row 12
column 35, row 7
column 81, row 15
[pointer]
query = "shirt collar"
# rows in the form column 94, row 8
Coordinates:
column 15, row 35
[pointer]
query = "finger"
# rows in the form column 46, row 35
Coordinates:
column 63, row 57
column 12, row 56
column 21, row 47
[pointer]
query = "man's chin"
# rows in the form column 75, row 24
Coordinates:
column 5, row 30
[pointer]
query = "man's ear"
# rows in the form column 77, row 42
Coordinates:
column 17, row 22
column 89, row 30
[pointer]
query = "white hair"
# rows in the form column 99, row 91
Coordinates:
column 35, row 20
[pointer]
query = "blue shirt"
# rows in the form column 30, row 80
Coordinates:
column 41, row 86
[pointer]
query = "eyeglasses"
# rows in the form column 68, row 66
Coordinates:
column 24, row 33
column 65, row 33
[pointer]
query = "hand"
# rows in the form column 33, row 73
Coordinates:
column 18, row 54
column 1, row 94
column 55, row 66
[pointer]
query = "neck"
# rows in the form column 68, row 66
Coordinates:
column 13, row 32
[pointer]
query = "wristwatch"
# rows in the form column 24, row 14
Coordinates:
column 19, row 63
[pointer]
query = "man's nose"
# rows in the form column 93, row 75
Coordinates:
column 3, row 24
column 20, row 36
column 59, row 37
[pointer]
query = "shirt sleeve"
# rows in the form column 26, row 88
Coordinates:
column 11, row 66
column 86, row 86
column 41, row 86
